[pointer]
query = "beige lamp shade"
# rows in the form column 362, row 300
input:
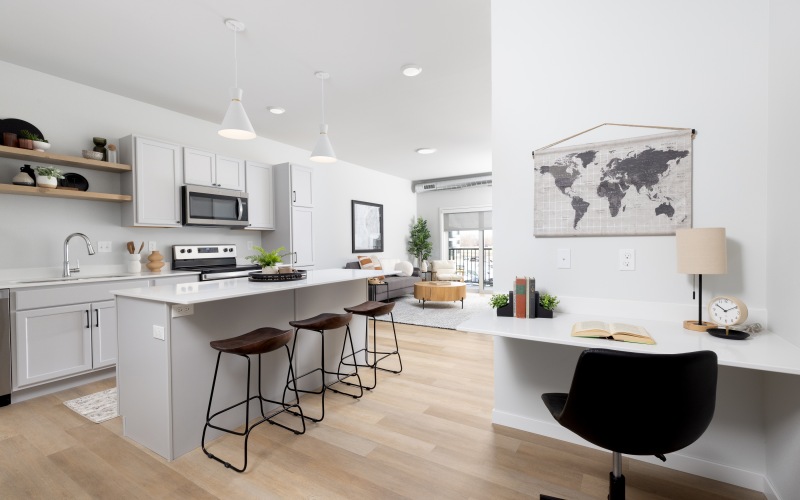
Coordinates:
column 702, row 250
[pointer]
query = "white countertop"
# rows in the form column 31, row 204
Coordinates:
column 766, row 350
column 49, row 277
column 208, row 291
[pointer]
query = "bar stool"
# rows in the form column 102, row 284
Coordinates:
column 260, row 341
column 371, row 309
column 320, row 323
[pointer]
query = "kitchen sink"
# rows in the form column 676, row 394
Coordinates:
column 71, row 278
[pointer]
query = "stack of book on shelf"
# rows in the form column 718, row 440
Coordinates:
column 526, row 298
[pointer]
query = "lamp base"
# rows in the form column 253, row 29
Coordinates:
column 728, row 334
column 692, row 324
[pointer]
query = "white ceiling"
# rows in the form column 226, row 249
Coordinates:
column 178, row 54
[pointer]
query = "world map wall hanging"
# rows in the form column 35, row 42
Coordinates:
column 638, row 186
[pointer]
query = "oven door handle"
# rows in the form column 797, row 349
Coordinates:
column 241, row 208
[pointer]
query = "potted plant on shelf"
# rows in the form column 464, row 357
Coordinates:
column 419, row 243
column 500, row 302
column 267, row 260
column 47, row 177
column 37, row 143
column 547, row 303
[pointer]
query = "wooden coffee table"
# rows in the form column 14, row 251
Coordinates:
column 440, row 291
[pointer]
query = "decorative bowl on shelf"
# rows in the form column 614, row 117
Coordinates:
column 92, row 155
column 41, row 146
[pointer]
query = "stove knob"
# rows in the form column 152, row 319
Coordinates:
column 190, row 250
column 183, row 250
column 230, row 249
column 224, row 249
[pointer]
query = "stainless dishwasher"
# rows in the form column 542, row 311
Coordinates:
column 5, row 349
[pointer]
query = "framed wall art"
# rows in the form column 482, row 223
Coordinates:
column 367, row 219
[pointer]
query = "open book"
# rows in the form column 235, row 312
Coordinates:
column 613, row 331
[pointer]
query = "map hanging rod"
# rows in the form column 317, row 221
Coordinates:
column 533, row 153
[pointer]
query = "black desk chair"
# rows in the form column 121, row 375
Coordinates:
column 638, row 404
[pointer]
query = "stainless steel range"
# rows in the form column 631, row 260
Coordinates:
column 215, row 262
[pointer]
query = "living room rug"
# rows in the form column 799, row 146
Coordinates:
column 97, row 407
column 447, row 315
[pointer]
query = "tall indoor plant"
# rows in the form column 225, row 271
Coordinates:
column 419, row 243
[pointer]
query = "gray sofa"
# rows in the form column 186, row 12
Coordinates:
column 397, row 285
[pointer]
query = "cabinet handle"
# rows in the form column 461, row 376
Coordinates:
column 87, row 318
column 294, row 196
column 97, row 318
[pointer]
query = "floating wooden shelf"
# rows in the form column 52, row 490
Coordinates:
column 62, row 160
column 62, row 193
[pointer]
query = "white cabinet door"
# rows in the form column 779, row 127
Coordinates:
column 159, row 176
column 302, row 195
column 52, row 343
column 104, row 334
column 230, row 173
column 260, row 196
column 303, row 236
column 199, row 167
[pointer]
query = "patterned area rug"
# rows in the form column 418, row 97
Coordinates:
column 97, row 407
column 447, row 315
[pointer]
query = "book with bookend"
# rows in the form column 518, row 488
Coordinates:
column 612, row 331
column 520, row 290
column 533, row 298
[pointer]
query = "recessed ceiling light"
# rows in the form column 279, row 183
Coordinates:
column 411, row 69
column 276, row 110
column 426, row 151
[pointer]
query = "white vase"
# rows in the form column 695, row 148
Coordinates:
column 133, row 263
column 41, row 146
column 46, row 182
column 269, row 270
column 423, row 266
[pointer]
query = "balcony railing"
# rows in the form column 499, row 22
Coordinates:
column 467, row 261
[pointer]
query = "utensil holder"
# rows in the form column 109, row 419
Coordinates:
column 133, row 263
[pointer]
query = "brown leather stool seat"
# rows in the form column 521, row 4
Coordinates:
column 371, row 309
column 320, row 323
column 257, row 342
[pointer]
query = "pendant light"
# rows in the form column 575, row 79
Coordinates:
column 323, row 151
column 236, row 125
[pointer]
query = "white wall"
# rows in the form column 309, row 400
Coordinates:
column 429, row 204
column 562, row 67
column 70, row 114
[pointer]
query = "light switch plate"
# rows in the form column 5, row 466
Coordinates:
column 158, row 332
column 104, row 246
column 151, row 245
column 564, row 259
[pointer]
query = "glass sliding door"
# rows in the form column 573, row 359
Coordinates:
column 468, row 234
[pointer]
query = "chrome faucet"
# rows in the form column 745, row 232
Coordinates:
column 77, row 268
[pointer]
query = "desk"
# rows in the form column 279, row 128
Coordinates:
column 748, row 443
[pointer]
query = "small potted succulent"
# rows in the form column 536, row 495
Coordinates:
column 500, row 302
column 47, row 177
column 547, row 303
column 33, row 140
column 267, row 260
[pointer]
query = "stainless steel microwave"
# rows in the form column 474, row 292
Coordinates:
column 208, row 206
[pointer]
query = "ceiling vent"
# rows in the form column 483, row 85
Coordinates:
column 460, row 182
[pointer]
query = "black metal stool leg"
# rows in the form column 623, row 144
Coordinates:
column 387, row 354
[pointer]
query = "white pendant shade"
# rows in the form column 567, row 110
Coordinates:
column 323, row 151
column 236, row 125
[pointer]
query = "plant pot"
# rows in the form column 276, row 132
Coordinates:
column 25, row 143
column 41, row 146
column 423, row 266
column 10, row 139
column 46, row 182
column 541, row 312
column 269, row 270
column 506, row 310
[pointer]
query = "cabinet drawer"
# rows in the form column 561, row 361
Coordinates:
column 61, row 295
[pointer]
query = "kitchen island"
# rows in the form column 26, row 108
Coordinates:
column 165, row 364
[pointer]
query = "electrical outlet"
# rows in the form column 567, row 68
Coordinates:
column 179, row 310
column 158, row 332
column 151, row 245
column 627, row 259
column 564, row 260
column 103, row 246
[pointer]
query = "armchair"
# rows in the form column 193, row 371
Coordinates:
column 445, row 270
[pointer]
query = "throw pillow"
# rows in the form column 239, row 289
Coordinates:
column 367, row 263
column 405, row 268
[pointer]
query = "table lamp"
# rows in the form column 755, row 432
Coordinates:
column 701, row 251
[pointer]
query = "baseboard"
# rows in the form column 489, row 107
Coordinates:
column 676, row 461
column 60, row 385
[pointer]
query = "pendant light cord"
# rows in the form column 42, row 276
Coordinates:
column 235, row 61
column 322, row 92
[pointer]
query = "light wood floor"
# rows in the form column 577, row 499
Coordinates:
column 425, row 433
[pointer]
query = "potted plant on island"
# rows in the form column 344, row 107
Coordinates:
column 419, row 243
column 500, row 302
column 47, row 177
column 267, row 260
column 37, row 143
column 547, row 303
